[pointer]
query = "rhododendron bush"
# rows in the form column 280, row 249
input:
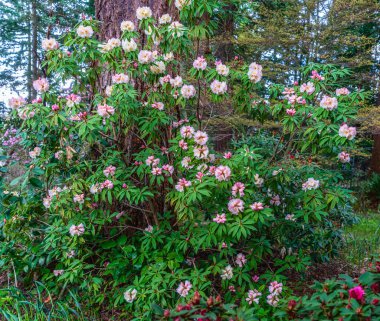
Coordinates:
column 123, row 196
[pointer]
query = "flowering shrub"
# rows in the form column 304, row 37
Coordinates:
column 343, row 299
column 123, row 195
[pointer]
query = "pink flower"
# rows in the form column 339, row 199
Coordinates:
column 222, row 173
column 187, row 131
column 220, row 218
column 201, row 152
column 275, row 288
column 227, row 155
column 275, row 200
column 199, row 176
column 76, row 230
column 151, row 160
column 184, row 288
column 240, row 260
column 79, row 198
column 158, row 105
column 342, row 91
column 183, row 145
column 356, row 293
column 200, row 137
column 120, row 78
column 238, row 188
column 200, row 63
column 235, row 206
column 107, row 184
column 308, row 88
column 232, row 288
column 168, row 168
column 348, row 132
column 288, row 91
column 257, row 206
column 105, row 111
column 156, row 171
column 344, row 157
column 255, row 278
column 316, row 75
column 54, row 107
column 291, row 111
column 58, row 272
column 110, row 170
column 41, row 85
column 182, row 183
column 329, row 103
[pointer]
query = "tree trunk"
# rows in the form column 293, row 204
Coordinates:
column 375, row 159
column 112, row 12
column 34, row 44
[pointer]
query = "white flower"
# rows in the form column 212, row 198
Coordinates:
column 164, row 19
column 129, row 46
column 127, row 26
column 47, row 202
column 272, row 300
column 176, row 82
column 50, row 44
column 169, row 56
column 85, row 32
column 218, row 87
column 255, row 72
column 253, row 296
column 184, row 288
column 35, row 152
column 258, row 180
column 180, row 4
column 310, row 184
column 188, row 91
column 145, row 57
column 16, row 102
column 110, row 44
column 108, row 91
column 186, row 162
column 143, row 13
column 222, row 70
column 130, row 295
column 158, row 67
column 227, row 273
column 176, row 28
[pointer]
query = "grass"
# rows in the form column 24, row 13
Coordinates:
column 39, row 306
column 362, row 241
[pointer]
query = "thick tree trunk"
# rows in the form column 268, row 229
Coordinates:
column 113, row 12
column 34, row 44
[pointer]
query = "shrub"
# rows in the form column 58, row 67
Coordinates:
column 123, row 197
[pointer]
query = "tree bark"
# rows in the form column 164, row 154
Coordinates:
column 112, row 12
column 375, row 159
